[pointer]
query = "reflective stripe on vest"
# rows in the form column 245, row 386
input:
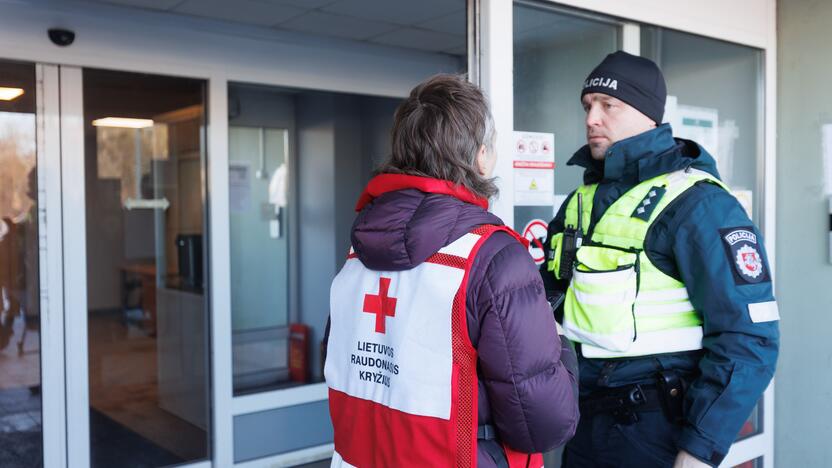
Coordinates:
column 619, row 304
column 400, row 366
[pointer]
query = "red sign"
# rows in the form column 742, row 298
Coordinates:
column 534, row 164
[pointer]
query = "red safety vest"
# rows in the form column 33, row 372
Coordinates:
column 401, row 369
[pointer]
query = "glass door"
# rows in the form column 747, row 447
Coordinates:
column 32, row 404
column 137, row 318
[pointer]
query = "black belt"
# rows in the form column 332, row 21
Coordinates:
column 486, row 432
column 624, row 403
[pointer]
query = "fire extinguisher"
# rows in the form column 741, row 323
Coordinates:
column 298, row 352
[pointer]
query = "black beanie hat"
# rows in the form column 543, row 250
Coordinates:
column 635, row 80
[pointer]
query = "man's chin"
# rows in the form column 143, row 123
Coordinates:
column 598, row 152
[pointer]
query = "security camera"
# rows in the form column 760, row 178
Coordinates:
column 61, row 37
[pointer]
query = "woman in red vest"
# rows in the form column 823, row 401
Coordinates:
column 442, row 349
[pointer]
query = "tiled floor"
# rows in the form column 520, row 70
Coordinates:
column 128, row 428
column 20, row 428
column 124, row 388
column 20, row 358
column 20, row 406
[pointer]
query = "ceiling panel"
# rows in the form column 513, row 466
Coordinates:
column 306, row 4
column 428, row 25
column 327, row 24
column 148, row 4
column 452, row 23
column 404, row 12
column 420, row 39
column 241, row 11
column 461, row 49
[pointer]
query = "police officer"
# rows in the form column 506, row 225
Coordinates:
column 667, row 286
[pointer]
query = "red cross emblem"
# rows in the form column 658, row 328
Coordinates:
column 380, row 304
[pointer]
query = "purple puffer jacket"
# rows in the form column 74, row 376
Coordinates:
column 527, row 379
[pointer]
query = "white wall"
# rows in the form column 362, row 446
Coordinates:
column 804, row 381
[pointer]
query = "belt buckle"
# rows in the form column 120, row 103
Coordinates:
column 636, row 396
column 626, row 415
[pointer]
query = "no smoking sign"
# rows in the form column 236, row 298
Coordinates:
column 535, row 232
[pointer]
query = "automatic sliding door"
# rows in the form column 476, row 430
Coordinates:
column 137, row 190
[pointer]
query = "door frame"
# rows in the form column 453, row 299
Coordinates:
column 75, row 263
column 50, row 226
column 72, row 166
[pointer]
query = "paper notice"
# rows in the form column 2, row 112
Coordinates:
column 534, row 168
column 239, row 186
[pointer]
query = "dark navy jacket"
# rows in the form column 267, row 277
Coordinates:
column 688, row 242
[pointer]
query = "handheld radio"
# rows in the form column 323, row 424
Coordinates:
column 572, row 241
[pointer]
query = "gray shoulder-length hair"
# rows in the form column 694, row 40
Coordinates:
column 438, row 131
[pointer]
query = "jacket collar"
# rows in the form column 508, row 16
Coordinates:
column 384, row 183
column 634, row 159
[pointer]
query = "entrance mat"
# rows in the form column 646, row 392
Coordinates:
column 114, row 445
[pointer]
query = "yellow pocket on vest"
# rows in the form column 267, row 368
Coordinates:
column 599, row 303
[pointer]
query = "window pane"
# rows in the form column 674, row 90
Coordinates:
column 259, row 175
column 146, row 269
column 714, row 97
column 21, row 438
column 298, row 161
column 295, row 155
column 553, row 54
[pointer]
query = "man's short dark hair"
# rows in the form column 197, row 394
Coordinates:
column 438, row 131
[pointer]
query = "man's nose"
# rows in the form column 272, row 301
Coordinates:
column 593, row 117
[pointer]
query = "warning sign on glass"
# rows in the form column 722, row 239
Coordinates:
column 534, row 168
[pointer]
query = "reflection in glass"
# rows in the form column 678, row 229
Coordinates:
column 754, row 424
column 553, row 54
column 756, row 463
column 258, row 203
column 148, row 347
column 714, row 98
column 294, row 155
column 21, row 439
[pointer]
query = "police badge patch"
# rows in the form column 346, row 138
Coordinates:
column 744, row 253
